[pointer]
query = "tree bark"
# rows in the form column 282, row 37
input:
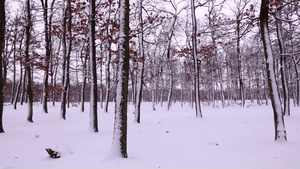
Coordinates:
column 18, row 87
column 280, row 132
column 108, row 62
column 84, row 75
column 100, row 75
column 93, row 69
column 67, row 46
column 108, row 87
column 119, row 145
column 27, row 61
column 13, row 91
column 48, row 48
column 239, row 58
column 195, row 58
column 140, row 65
column 286, row 99
column 2, row 37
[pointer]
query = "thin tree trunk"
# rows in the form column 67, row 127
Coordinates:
column 153, row 93
column 54, row 84
column 280, row 132
column 140, row 65
column 108, row 60
column 108, row 87
column 66, row 56
column 170, row 93
column 24, row 93
column 54, row 70
column 101, row 85
column 286, row 102
column 47, row 55
column 84, row 77
column 195, row 59
column 84, row 74
column 240, row 78
column 2, row 37
column 27, row 61
column 18, row 87
column 17, row 95
column 162, row 92
column 297, row 92
column 13, row 91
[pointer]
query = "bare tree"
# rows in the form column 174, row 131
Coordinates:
column 243, row 25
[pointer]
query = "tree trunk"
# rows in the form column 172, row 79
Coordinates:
column 2, row 37
column 239, row 58
column 280, row 132
column 153, row 94
column 140, row 65
column 286, row 102
column 27, row 61
column 195, row 59
column 108, row 60
column 84, row 77
column 119, row 145
column 162, row 91
column 101, row 85
column 107, row 94
column 24, row 93
column 54, row 70
column 93, row 69
column 66, row 56
column 18, row 87
column 48, row 48
column 83, row 89
column 13, row 91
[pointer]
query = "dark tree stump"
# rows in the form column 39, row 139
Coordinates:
column 52, row 153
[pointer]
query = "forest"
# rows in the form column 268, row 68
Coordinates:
column 90, row 54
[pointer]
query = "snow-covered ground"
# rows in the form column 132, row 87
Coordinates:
column 230, row 138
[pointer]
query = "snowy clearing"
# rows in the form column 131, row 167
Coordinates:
column 230, row 138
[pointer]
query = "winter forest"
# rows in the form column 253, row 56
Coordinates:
column 124, row 66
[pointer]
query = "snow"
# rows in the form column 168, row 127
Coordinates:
column 233, row 137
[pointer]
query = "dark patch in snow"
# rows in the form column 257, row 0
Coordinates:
column 52, row 153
